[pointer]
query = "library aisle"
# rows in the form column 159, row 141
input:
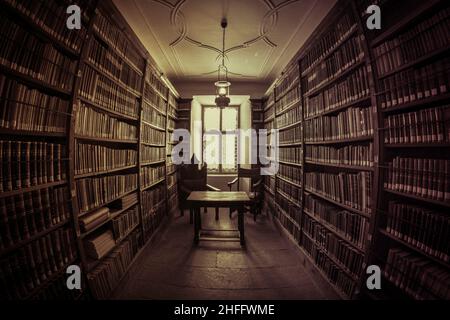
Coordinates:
column 172, row 268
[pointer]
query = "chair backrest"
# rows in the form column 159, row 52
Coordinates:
column 254, row 174
column 193, row 176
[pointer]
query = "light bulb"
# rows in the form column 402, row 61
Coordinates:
column 222, row 91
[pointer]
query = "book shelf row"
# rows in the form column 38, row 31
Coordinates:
column 112, row 119
column 373, row 108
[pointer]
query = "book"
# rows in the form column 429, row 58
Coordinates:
column 151, row 174
column 353, row 190
column 431, row 125
column 352, row 123
column 99, row 89
column 27, row 268
column 333, row 271
column 330, row 39
column 417, row 276
column 94, row 192
column 106, row 276
column 124, row 223
column 152, row 136
column 87, row 222
column 97, row 246
column 90, row 123
column 351, row 155
column 348, row 225
column 431, row 236
column 422, row 177
column 31, row 56
column 425, row 37
column 111, row 63
column 94, row 158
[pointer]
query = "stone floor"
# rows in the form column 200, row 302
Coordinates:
column 172, row 268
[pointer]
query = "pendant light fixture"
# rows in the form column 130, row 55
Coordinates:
column 222, row 84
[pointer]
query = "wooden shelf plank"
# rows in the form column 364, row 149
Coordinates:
column 12, row 193
column 339, row 204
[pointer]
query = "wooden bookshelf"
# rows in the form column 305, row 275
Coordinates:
column 385, row 246
column 103, row 28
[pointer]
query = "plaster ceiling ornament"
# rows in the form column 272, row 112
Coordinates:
column 183, row 36
column 268, row 23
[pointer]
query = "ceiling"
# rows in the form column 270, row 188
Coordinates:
column 184, row 37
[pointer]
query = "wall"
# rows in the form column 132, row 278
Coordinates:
column 201, row 88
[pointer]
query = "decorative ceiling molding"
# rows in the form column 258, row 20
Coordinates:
column 267, row 24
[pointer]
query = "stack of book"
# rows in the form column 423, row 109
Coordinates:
column 291, row 155
column 27, row 214
column 28, row 163
column 151, row 175
column 30, row 109
column 103, row 91
column 351, row 123
column 291, row 116
column 291, row 173
column 127, row 201
column 428, row 36
column 348, row 54
column 112, row 64
column 352, row 190
column 330, row 40
column 93, row 219
column 123, row 224
column 154, row 99
column 336, row 248
column 106, row 276
column 94, row 192
column 116, row 38
column 152, row 136
column 154, row 80
column 424, row 126
column 152, row 115
column 413, row 84
column 32, row 265
column 50, row 17
column 349, row 225
column 355, row 155
column 288, row 100
column 423, row 228
column 151, row 154
column 97, row 158
column 417, row 276
column 31, row 56
column 293, row 135
column 98, row 246
column 93, row 124
column 427, row 178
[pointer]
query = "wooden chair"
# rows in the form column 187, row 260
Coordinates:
column 191, row 177
column 256, row 185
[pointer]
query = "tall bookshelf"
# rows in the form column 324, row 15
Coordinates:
column 71, row 192
column 268, row 107
column 374, row 150
column 172, row 182
column 288, row 180
column 38, row 76
column 411, row 71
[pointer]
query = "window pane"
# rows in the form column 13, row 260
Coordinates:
column 229, row 150
column 211, row 150
column 212, row 118
column 229, row 119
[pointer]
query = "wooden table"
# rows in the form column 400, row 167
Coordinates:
column 218, row 199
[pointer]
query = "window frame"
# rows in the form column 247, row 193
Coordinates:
column 223, row 132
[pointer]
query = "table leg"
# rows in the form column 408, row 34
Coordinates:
column 241, row 226
column 196, row 225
